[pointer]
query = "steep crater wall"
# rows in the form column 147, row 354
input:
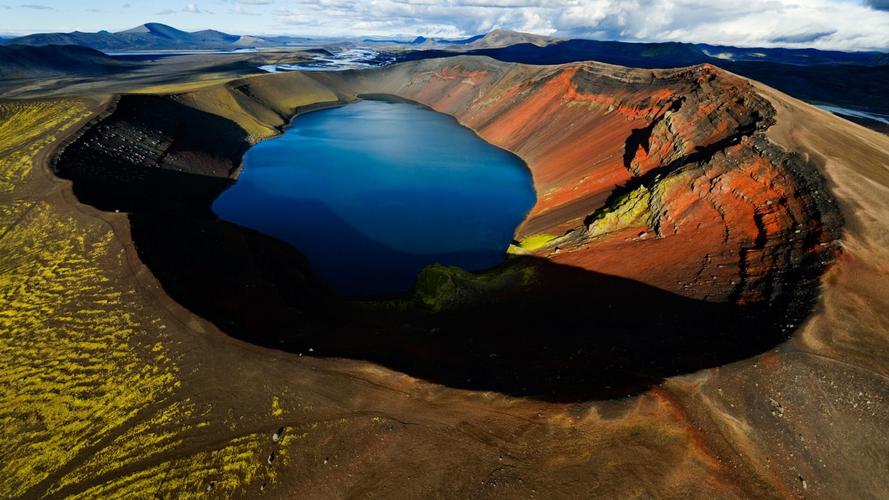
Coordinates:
column 656, row 191
column 663, row 176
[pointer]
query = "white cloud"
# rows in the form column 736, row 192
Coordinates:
column 241, row 11
column 189, row 8
column 825, row 24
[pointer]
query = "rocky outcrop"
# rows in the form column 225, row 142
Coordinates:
column 664, row 177
column 148, row 150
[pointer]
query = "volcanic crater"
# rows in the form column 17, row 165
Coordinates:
column 669, row 233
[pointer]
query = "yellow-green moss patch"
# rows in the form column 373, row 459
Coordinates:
column 531, row 243
column 632, row 209
column 26, row 127
column 72, row 372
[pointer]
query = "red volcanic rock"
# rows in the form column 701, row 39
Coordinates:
column 662, row 176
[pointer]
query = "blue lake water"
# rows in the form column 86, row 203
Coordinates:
column 374, row 191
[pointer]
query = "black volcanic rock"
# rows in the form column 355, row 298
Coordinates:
column 158, row 30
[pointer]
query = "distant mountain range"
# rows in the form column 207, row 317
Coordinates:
column 509, row 46
column 494, row 39
column 643, row 55
column 802, row 57
column 157, row 36
column 420, row 40
column 857, row 80
column 154, row 36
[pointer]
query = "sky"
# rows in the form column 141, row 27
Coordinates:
column 822, row 24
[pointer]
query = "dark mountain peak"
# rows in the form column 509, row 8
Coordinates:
column 142, row 28
column 147, row 36
column 165, row 31
column 462, row 41
column 213, row 36
column 210, row 32
column 157, row 29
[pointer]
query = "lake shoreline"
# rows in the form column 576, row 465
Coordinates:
column 396, row 236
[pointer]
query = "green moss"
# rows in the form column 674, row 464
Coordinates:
column 91, row 401
column 72, row 342
column 26, row 127
column 531, row 243
column 447, row 287
column 632, row 209
column 277, row 411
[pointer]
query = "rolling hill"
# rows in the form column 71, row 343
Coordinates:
column 505, row 38
column 23, row 61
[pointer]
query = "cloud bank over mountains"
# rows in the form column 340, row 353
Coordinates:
column 823, row 24
column 827, row 24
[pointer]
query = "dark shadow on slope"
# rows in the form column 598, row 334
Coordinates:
column 568, row 335
column 532, row 328
column 373, row 268
column 152, row 153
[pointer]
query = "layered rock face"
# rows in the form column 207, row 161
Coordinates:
column 664, row 177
